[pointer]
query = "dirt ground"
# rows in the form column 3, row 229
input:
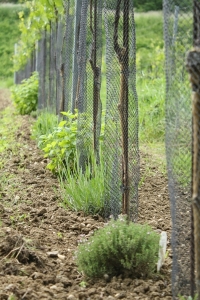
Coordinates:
column 38, row 237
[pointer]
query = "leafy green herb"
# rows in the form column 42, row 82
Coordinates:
column 25, row 95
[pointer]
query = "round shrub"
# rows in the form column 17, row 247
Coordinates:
column 119, row 248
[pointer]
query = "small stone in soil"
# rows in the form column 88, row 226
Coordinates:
column 52, row 254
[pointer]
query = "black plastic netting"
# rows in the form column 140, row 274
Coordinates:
column 121, row 120
column 178, row 26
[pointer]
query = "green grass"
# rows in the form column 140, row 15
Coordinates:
column 149, row 37
column 9, row 123
column 44, row 125
column 151, row 102
column 150, row 82
column 6, row 82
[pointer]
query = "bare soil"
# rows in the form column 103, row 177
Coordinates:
column 38, row 237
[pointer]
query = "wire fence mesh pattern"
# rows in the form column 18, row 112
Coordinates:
column 87, row 61
column 193, row 65
column 178, row 40
column 121, row 130
column 69, row 62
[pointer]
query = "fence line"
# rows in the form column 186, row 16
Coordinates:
column 69, row 60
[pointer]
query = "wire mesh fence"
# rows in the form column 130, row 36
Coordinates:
column 121, row 121
column 178, row 26
column 28, row 69
column 69, row 61
column 193, row 66
column 86, row 61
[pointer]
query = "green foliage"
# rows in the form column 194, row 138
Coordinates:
column 151, row 95
column 139, row 5
column 10, row 1
column 60, row 145
column 44, row 125
column 188, row 298
column 84, row 190
column 150, row 77
column 9, row 35
column 149, row 42
column 25, row 95
column 42, row 12
column 119, row 248
column 147, row 5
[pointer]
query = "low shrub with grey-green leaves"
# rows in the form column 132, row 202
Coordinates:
column 25, row 95
column 119, row 248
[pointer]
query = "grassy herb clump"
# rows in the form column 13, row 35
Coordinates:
column 83, row 190
column 44, row 124
column 120, row 248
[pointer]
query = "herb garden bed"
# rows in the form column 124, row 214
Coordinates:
column 38, row 237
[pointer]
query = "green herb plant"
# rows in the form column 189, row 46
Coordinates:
column 60, row 145
column 84, row 189
column 119, row 248
column 25, row 95
column 188, row 298
column 83, row 284
column 44, row 124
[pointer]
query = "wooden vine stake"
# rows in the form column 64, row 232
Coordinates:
column 123, row 58
column 193, row 67
column 96, row 79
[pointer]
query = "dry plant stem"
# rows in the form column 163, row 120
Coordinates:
column 19, row 249
column 193, row 66
column 122, row 54
column 96, row 77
